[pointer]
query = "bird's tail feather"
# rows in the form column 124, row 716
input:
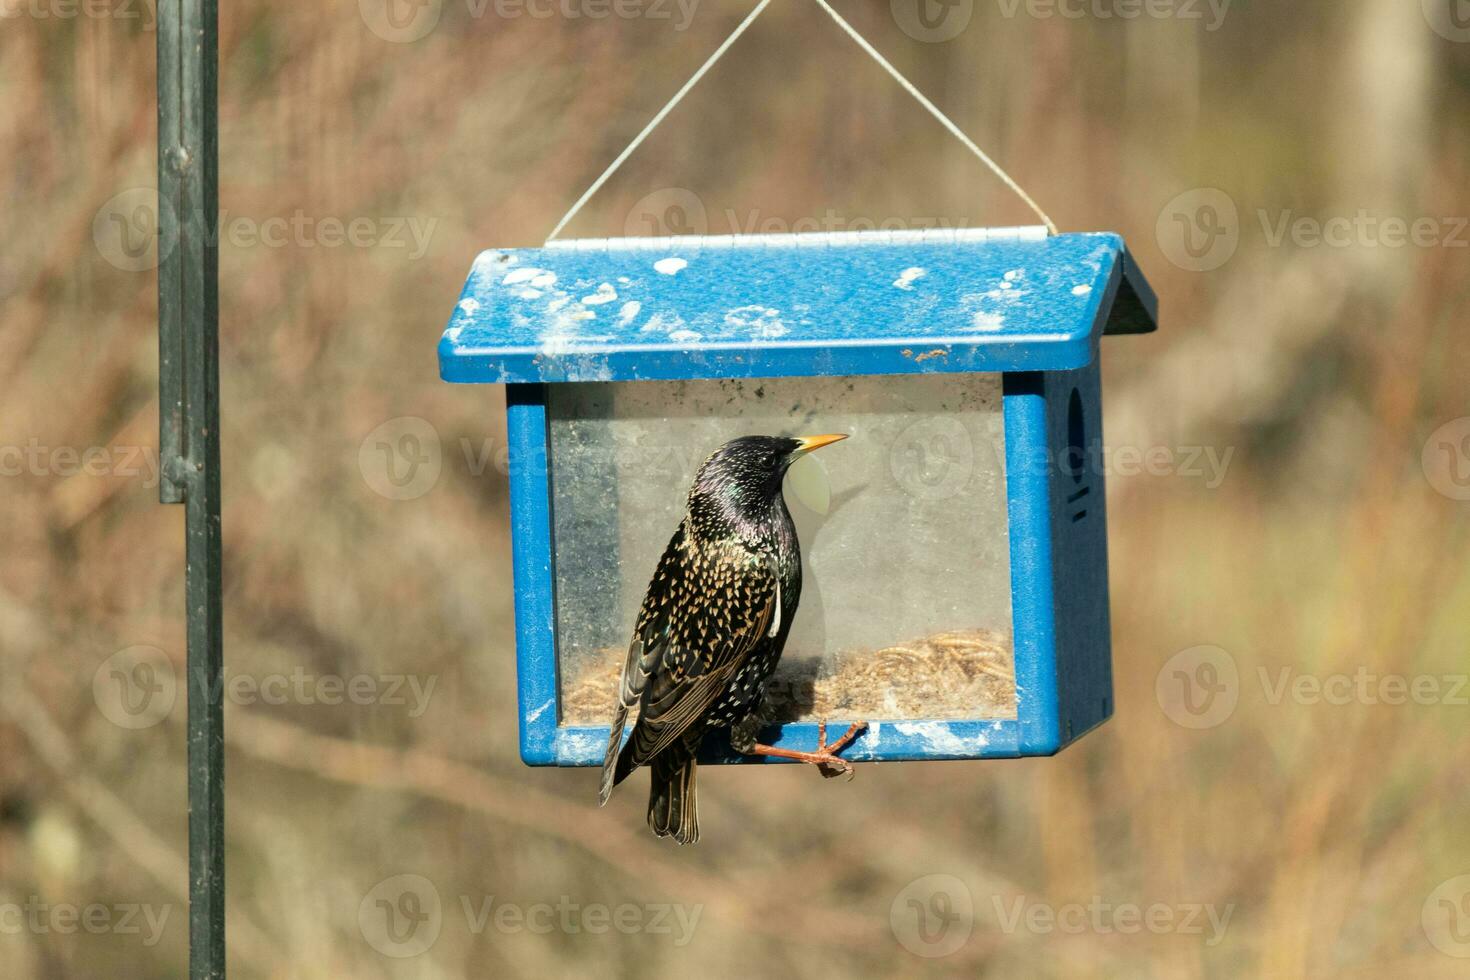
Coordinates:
column 614, row 769
column 673, row 808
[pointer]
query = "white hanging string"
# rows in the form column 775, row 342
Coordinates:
column 653, row 123
column 937, row 114
column 862, row 43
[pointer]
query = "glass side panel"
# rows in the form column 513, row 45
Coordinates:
column 906, row 603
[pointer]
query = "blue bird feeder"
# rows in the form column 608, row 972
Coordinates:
column 955, row 548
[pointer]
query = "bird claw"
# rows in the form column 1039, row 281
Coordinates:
column 832, row 764
column 825, row 758
column 835, row 766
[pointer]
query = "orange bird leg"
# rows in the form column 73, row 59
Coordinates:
column 825, row 758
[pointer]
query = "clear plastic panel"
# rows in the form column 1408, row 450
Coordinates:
column 906, row 601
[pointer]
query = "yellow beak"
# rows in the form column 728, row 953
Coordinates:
column 812, row 443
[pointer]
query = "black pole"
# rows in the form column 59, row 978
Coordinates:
column 188, row 358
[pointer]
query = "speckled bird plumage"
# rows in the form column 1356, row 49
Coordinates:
column 711, row 628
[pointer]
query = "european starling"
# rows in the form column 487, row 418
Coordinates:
column 711, row 629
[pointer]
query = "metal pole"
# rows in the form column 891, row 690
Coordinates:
column 188, row 387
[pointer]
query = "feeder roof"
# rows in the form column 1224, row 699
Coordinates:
column 634, row 309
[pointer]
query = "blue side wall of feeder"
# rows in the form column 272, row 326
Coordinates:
column 836, row 320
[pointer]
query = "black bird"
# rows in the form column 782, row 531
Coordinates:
column 711, row 629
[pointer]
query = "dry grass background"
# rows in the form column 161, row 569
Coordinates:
column 1324, row 548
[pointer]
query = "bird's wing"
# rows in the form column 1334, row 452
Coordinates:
column 645, row 651
column 725, row 607
column 653, row 631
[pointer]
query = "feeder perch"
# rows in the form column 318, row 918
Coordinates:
column 956, row 589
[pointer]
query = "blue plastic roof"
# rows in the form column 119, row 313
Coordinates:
column 793, row 305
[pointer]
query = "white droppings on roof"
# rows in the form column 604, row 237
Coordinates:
column 988, row 310
column 685, row 336
column 453, row 334
column 758, row 321
column 670, row 266
column 623, row 280
column 906, row 278
column 659, row 322
column 629, row 311
column 523, row 275
column 1006, row 293
column 565, row 324
column 1082, row 290
column 533, row 282
column 470, row 305
column 562, row 337
column 605, row 294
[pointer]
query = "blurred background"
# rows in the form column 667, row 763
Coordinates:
column 1282, row 791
